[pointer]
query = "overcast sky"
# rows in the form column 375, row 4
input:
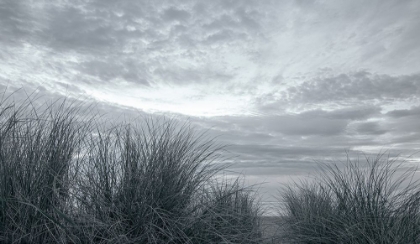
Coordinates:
column 285, row 83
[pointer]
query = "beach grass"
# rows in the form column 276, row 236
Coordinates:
column 64, row 178
column 376, row 200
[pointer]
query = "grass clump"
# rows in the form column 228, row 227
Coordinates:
column 374, row 202
column 228, row 213
column 66, row 179
column 37, row 150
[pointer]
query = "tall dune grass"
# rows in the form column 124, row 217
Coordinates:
column 68, row 180
column 37, row 150
column 228, row 213
column 372, row 202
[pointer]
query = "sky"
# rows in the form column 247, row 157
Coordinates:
column 285, row 84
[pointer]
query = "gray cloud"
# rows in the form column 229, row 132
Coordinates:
column 175, row 14
column 127, row 69
column 399, row 113
column 136, row 42
column 357, row 87
column 16, row 22
column 406, row 125
column 278, row 129
column 312, row 122
column 370, row 128
column 297, row 125
column 71, row 28
column 96, row 25
column 346, row 113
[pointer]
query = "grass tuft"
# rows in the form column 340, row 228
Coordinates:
column 371, row 202
column 36, row 158
column 66, row 179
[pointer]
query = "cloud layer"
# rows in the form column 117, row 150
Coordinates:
column 284, row 83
